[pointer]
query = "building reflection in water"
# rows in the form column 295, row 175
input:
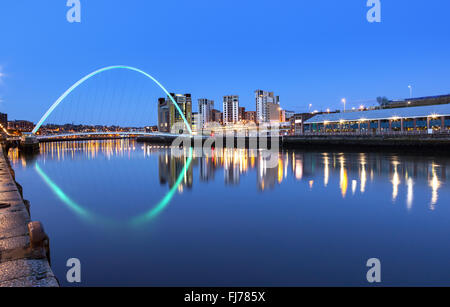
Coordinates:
column 326, row 170
column 435, row 184
column 306, row 168
column 343, row 177
column 395, row 180
column 410, row 193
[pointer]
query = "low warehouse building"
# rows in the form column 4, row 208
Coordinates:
column 426, row 119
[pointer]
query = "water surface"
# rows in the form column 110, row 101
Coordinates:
column 135, row 215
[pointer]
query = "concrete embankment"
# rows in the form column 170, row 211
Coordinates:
column 24, row 246
column 374, row 142
column 229, row 142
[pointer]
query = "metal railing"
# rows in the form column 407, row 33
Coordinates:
column 378, row 133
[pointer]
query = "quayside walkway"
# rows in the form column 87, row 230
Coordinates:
column 412, row 140
column 24, row 247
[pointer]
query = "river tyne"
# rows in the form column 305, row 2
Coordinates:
column 137, row 216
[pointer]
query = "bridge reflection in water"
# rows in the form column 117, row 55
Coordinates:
column 220, row 220
column 355, row 171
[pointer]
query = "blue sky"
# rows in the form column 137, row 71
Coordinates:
column 305, row 51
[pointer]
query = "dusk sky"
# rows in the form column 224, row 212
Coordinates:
column 305, row 51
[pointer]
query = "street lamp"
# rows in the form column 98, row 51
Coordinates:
column 410, row 91
column 310, row 106
column 344, row 101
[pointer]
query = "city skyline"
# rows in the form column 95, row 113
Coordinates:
column 341, row 55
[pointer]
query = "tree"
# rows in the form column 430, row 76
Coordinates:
column 383, row 101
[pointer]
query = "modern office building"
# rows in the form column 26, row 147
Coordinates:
column 184, row 102
column 205, row 108
column 196, row 125
column 230, row 109
column 168, row 114
column 163, row 115
column 263, row 99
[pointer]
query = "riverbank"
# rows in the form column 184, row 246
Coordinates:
column 422, row 143
column 24, row 247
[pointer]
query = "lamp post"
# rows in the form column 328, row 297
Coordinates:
column 410, row 91
column 310, row 106
column 344, row 101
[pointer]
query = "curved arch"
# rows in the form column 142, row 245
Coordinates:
column 134, row 221
column 79, row 82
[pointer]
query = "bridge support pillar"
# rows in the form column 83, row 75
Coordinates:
column 442, row 123
column 29, row 143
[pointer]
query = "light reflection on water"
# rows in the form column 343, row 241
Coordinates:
column 328, row 193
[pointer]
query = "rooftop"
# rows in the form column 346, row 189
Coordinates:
column 384, row 114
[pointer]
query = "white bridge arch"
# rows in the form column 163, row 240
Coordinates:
column 82, row 80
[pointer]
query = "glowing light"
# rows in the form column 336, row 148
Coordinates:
column 354, row 186
column 280, row 170
column 82, row 80
column 343, row 178
column 363, row 178
column 326, row 171
column 395, row 182
column 410, row 193
column 298, row 169
column 434, row 184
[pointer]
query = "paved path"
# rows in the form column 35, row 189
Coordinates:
column 20, row 265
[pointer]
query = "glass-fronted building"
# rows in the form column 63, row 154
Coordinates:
column 423, row 118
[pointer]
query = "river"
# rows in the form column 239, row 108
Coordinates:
column 133, row 214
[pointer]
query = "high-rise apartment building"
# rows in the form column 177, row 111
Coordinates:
column 241, row 113
column 205, row 108
column 230, row 109
column 263, row 98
